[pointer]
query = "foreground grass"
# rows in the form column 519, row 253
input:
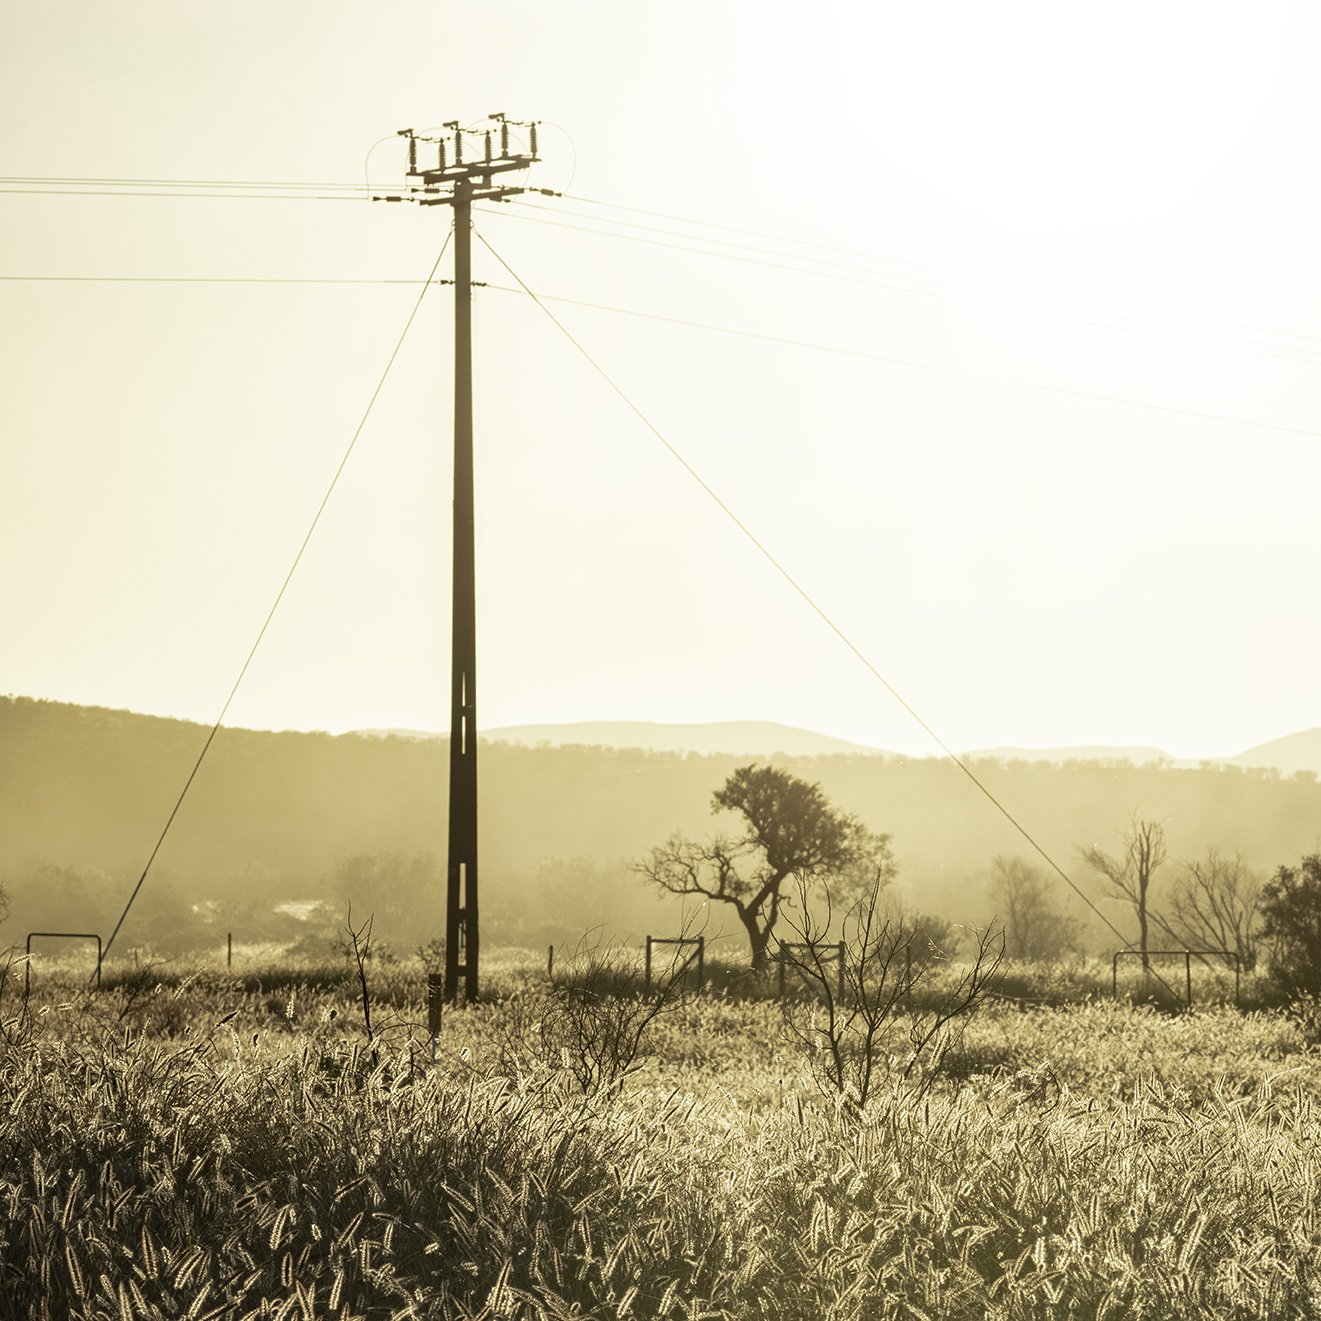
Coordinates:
column 1085, row 1161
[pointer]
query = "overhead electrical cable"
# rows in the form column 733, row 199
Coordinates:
column 928, row 366
column 213, row 279
column 807, row 598
column 961, row 290
column 58, row 182
column 92, row 186
column 786, row 341
column 235, row 195
column 279, row 596
column 694, row 222
column 907, row 284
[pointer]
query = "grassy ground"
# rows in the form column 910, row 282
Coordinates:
column 230, row 1144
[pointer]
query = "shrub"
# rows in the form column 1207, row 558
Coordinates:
column 862, row 1022
column 1291, row 926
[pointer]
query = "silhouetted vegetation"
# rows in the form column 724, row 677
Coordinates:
column 1035, row 928
column 280, row 830
column 790, row 833
column 1291, row 925
column 1130, row 874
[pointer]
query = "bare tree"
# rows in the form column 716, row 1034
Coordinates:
column 1215, row 904
column 360, row 943
column 1130, row 874
column 869, row 1027
column 1034, row 928
column 791, row 833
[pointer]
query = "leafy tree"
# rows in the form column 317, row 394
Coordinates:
column 1131, row 874
column 1034, row 927
column 790, row 833
column 1291, row 923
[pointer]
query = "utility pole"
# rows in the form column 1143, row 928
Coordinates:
column 456, row 168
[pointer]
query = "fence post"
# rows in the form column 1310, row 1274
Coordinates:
column 1188, row 974
column 648, row 976
column 229, row 949
column 840, row 947
column 435, row 999
column 701, row 962
column 1114, row 976
column 1238, row 968
column 550, row 960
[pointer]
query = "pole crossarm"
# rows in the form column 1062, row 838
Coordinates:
column 460, row 164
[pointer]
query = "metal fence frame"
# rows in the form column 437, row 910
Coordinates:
column 1187, row 967
column 59, row 935
column 699, row 954
column 833, row 950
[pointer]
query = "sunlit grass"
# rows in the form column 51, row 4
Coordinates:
column 229, row 1144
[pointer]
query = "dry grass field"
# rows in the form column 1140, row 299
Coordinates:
column 231, row 1144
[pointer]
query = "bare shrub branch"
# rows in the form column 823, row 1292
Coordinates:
column 591, row 1022
column 875, row 1029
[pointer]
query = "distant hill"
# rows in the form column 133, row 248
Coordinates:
column 275, row 819
column 740, row 738
column 765, row 738
column 1292, row 753
column 1058, row 756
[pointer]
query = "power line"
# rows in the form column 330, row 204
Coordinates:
column 929, row 266
column 811, row 602
column 123, row 182
column 236, row 195
column 269, row 189
column 926, row 366
column 802, row 592
column 297, row 190
column 910, row 284
column 785, row 341
column 279, row 596
column 211, row 279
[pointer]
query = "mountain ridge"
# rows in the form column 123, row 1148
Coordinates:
column 736, row 737
column 1289, row 754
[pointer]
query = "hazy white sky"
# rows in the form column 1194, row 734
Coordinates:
column 1118, row 202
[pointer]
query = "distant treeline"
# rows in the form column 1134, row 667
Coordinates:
column 287, row 817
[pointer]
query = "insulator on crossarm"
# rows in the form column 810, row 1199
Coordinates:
column 440, row 151
column 412, row 154
column 488, row 146
column 458, row 146
column 504, row 138
column 533, row 135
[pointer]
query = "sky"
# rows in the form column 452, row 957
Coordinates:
column 1001, row 333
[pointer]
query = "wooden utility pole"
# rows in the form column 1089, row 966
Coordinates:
column 461, row 932
column 456, row 168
